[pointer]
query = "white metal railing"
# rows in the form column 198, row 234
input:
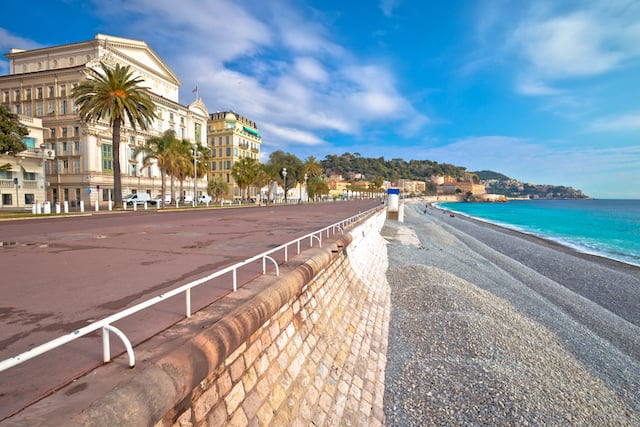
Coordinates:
column 106, row 324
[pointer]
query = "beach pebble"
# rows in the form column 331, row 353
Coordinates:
column 465, row 350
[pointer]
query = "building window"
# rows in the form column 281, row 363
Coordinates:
column 39, row 109
column 39, row 93
column 27, row 94
column 76, row 147
column 228, row 151
column 63, row 106
column 197, row 131
column 53, row 132
column 65, row 145
column 219, row 152
column 6, row 199
column 107, row 157
column 28, row 176
column 227, row 139
column 63, row 90
column 6, row 96
column 19, row 109
column 64, row 132
column 76, row 165
column 65, row 164
column 27, row 110
column 52, row 108
column 52, row 91
column 220, row 141
column 16, row 94
column 76, row 131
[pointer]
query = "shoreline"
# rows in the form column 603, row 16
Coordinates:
column 491, row 325
column 556, row 243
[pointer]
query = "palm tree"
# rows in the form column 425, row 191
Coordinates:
column 183, row 163
column 116, row 95
column 312, row 167
column 244, row 172
column 217, row 187
column 159, row 149
column 267, row 175
column 203, row 162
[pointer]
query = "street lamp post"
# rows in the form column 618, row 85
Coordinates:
column 195, row 153
column 305, row 187
column 284, row 175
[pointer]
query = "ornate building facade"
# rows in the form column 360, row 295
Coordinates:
column 39, row 85
column 232, row 137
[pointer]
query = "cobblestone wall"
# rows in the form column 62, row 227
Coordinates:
column 319, row 359
column 306, row 348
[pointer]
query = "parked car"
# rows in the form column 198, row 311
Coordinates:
column 137, row 199
column 187, row 200
column 204, row 198
column 158, row 199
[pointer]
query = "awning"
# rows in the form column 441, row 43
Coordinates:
column 251, row 131
column 15, row 168
column 32, row 168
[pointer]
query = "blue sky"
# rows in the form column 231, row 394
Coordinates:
column 545, row 92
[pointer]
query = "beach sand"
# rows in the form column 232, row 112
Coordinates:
column 494, row 327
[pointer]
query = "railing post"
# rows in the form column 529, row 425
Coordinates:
column 106, row 350
column 187, row 297
column 235, row 280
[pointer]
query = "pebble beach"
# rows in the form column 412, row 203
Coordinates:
column 494, row 327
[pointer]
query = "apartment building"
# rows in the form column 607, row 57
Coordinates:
column 232, row 137
column 25, row 184
column 39, row 85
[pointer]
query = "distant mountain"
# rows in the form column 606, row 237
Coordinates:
column 497, row 183
column 490, row 175
column 422, row 170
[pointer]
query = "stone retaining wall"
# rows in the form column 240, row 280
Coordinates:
column 308, row 349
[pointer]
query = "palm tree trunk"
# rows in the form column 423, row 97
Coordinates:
column 163, row 191
column 117, row 179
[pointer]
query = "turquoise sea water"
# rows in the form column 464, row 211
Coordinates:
column 609, row 228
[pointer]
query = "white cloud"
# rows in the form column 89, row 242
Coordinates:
column 570, row 45
column 619, row 123
column 194, row 26
column 292, row 134
column 388, row 6
column 275, row 62
column 9, row 41
column 311, row 69
column 536, row 88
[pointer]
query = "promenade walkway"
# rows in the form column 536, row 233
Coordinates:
column 91, row 267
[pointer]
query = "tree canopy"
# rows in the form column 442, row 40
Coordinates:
column 11, row 132
column 116, row 95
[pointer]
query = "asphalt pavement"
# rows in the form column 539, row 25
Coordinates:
column 62, row 273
